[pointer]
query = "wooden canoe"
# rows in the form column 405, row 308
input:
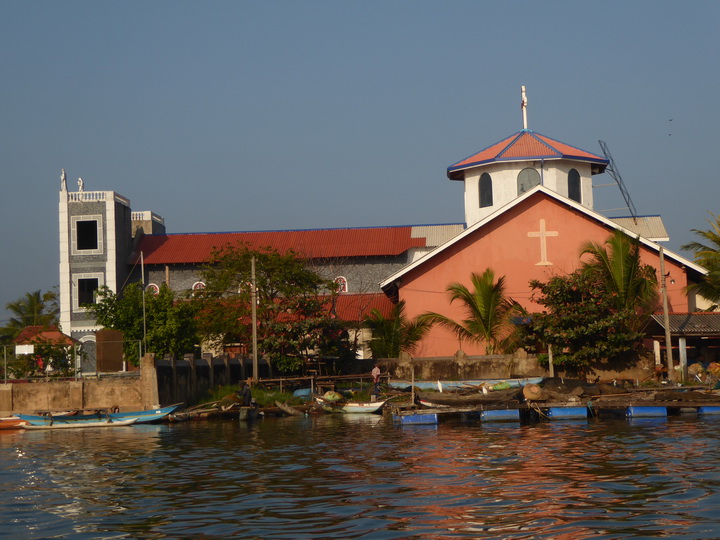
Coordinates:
column 469, row 400
column 11, row 422
column 288, row 409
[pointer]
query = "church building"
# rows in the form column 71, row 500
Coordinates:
column 528, row 207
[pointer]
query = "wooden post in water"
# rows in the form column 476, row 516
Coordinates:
column 550, row 362
column 412, row 382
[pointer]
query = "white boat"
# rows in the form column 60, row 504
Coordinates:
column 351, row 407
column 83, row 424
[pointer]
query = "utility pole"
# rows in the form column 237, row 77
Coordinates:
column 142, row 281
column 666, row 318
column 253, row 299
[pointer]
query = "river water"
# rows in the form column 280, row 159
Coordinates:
column 363, row 477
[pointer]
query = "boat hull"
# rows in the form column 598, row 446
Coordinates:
column 82, row 424
column 141, row 417
column 455, row 385
column 353, row 407
column 12, row 422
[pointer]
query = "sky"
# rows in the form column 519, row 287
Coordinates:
column 239, row 116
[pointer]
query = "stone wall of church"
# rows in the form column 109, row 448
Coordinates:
column 363, row 274
column 180, row 277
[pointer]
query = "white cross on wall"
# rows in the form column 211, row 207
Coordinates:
column 543, row 234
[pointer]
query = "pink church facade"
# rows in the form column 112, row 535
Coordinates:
column 536, row 237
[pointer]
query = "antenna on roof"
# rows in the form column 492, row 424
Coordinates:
column 523, row 106
column 612, row 170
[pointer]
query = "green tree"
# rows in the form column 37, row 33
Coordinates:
column 488, row 312
column 707, row 255
column 581, row 321
column 169, row 325
column 294, row 306
column 34, row 309
column 395, row 334
column 628, row 283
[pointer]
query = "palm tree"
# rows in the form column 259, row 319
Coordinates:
column 707, row 255
column 33, row 309
column 396, row 334
column 632, row 284
column 488, row 312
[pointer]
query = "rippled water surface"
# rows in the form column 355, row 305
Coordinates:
column 363, row 477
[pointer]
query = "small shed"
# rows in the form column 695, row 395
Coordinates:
column 697, row 335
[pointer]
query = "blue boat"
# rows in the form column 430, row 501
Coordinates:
column 143, row 417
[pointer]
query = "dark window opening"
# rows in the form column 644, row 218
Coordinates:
column 86, row 291
column 527, row 179
column 87, row 235
column 486, row 192
column 574, row 186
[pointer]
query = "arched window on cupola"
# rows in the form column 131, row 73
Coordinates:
column 527, row 179
column 486, row 192
column 574, row 191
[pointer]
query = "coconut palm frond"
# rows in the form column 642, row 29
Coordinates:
column 486, row 311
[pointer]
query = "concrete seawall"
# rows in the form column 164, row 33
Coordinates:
column 156, row 383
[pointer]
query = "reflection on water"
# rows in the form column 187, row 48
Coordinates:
column 355, row 477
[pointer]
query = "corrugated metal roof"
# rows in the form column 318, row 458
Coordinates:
column 311, row 244
column 525, row 145
column 437, row 235
column 696, row 324
column 349, row 307
column 354, row 307
column 650, row 227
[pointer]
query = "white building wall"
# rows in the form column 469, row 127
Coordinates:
column 65, row 280
column 553, row 175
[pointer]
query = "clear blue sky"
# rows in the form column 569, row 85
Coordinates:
column 231, row 115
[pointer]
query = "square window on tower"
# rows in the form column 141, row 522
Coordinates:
column 86, row 290
column 87, row 235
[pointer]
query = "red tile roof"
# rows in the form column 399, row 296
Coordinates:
column 349, row 307
column 521, row 146
column 311, row 244
column 354, row 307
column 37, row 334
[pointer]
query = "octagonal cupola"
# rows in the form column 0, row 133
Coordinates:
column 506, row 170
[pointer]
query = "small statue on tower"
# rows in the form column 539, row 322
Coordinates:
column 63, row 181
column 80, row 184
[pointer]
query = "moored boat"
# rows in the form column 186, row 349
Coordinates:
column 141, row 417
column 430, row 399
column 351, row 407
column 83, row 424
column 465, row 384
column 11, row 422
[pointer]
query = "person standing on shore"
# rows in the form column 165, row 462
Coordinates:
column 376, row 379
